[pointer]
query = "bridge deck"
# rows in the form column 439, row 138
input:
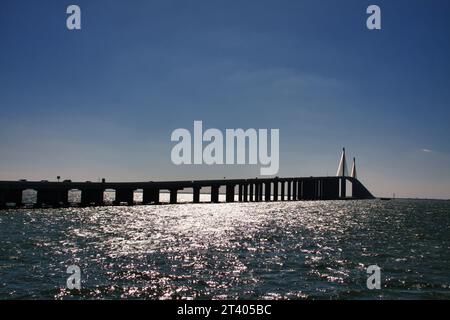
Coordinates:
column 55, row 194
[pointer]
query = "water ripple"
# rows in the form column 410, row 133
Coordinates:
column 284, row 250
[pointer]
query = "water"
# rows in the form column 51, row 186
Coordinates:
column 283, row 250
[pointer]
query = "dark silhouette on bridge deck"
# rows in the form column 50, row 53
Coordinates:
column 55, row 194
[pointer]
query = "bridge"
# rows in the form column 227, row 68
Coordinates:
column 56, row 194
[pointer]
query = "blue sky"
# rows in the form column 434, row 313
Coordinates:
column 103, row 101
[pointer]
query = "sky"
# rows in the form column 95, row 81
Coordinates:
column 102, row 102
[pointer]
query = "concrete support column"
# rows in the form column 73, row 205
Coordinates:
column 282, row 197
column 319, row 189
column 343, row 188
column 44, row 198
column 173, row 196
column 294, row 190
column 251, row 193
column 275, row 190
column 92, row 197
column 289, row 191
column 245, row 192
column 316, row 189
column 241, row 192
column 150, row 196
column 64, row 197
column 261, row 191
column 299, row 190
column 215, row 194
column 124, row 196
column 196, row 195
column 257, row 192
column 267, row 191
column 229, row 193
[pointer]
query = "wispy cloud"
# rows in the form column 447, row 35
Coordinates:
column 426, row 150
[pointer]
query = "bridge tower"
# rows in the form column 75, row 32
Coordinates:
column 353, row 173
column 343, row 172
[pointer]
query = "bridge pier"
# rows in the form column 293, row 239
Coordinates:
column 124, row 196
column 10, row 196
column 196, row 195
column 261, row 191
column 343, row 187
column 257, row 192
column 294, row 190
column 282, row 195
column 229, row 193
column 289, row 191
column 215, row 193
column 316, row 189
column 357, row 192
column 267, row 191
column 251, row 193
column 275, row 190
column 241, row 192
column 299, row 190
column 173, row 196
column 91, row 197
column 52, row 197
column 150, row 196
column 319, row 189
column 245, row 193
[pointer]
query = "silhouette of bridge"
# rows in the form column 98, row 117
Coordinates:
column 56, row 194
